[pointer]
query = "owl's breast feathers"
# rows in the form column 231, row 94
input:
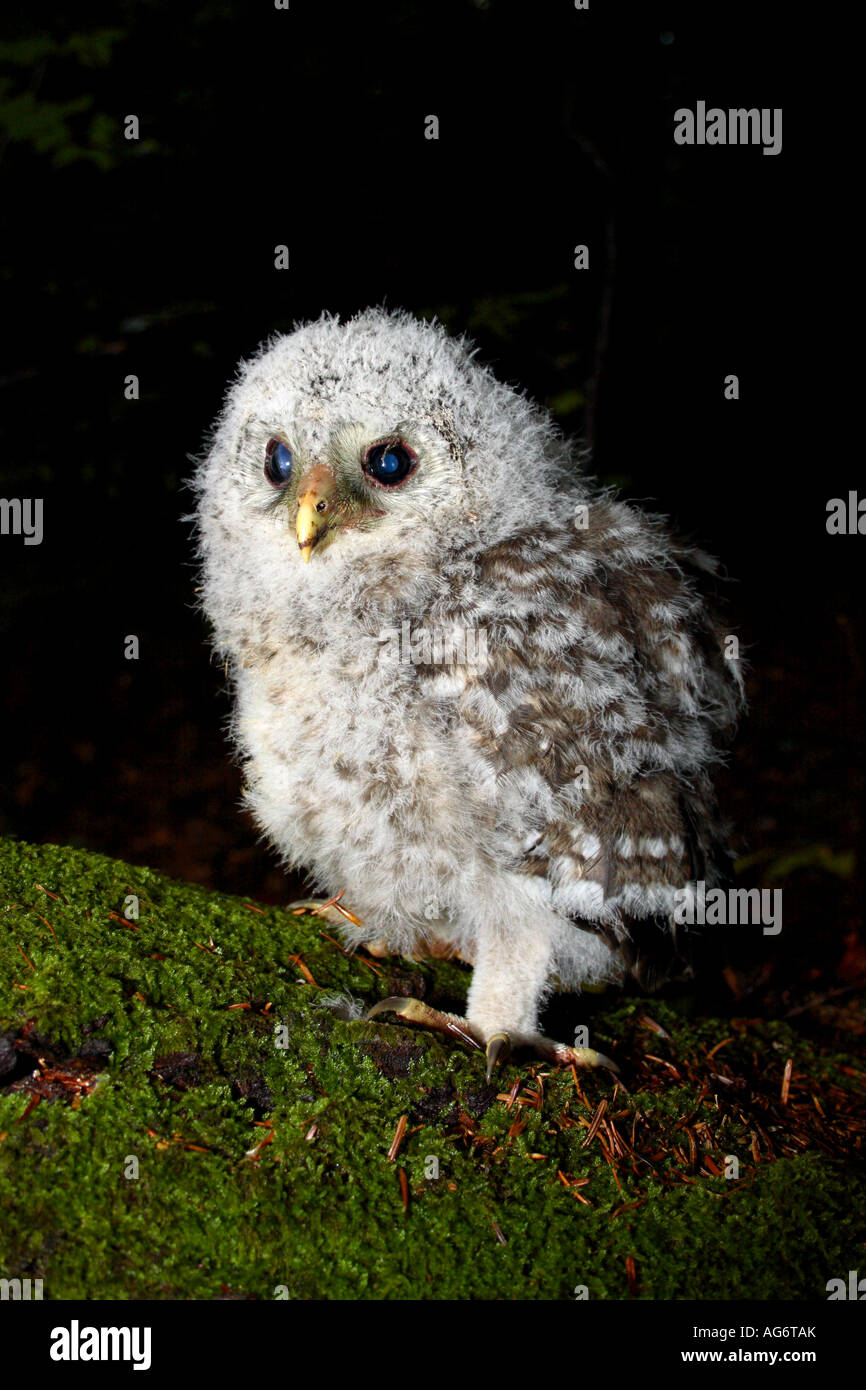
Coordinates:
column 602, row 702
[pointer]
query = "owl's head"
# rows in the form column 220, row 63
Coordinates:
column 371, row 445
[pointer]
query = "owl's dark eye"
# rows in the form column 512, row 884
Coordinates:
column 389, row 464
column 278, row 463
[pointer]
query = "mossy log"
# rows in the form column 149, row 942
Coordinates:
column 192, row 1107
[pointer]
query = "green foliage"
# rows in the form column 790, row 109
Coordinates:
column 779, row 868
column 57, row 128
column 299, row 1192
column 92, row 50
column 566, row 402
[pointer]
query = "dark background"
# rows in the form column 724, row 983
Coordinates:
column 306, row 127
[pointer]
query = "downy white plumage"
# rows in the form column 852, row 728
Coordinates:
column 533, row 807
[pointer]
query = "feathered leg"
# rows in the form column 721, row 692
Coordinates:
column 508, row 983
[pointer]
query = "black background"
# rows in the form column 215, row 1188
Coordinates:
column 306, row 127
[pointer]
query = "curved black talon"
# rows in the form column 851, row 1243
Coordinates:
column 498, row 1050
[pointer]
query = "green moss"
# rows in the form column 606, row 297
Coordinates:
column 262, row 1166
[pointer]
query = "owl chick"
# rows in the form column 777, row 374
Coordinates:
column 472, row 687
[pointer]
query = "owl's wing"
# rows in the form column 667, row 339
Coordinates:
column 605, row 695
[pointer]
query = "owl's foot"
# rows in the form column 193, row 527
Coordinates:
column 497, row 1046
column 416, row 1012
column 330, row 908
column 435, row 948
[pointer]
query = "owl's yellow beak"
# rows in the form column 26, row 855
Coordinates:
column 315, row 503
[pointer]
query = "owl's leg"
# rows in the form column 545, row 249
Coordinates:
column 511, row 978
column 517, row 941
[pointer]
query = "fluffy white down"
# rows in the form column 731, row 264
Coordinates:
column 381, row 782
